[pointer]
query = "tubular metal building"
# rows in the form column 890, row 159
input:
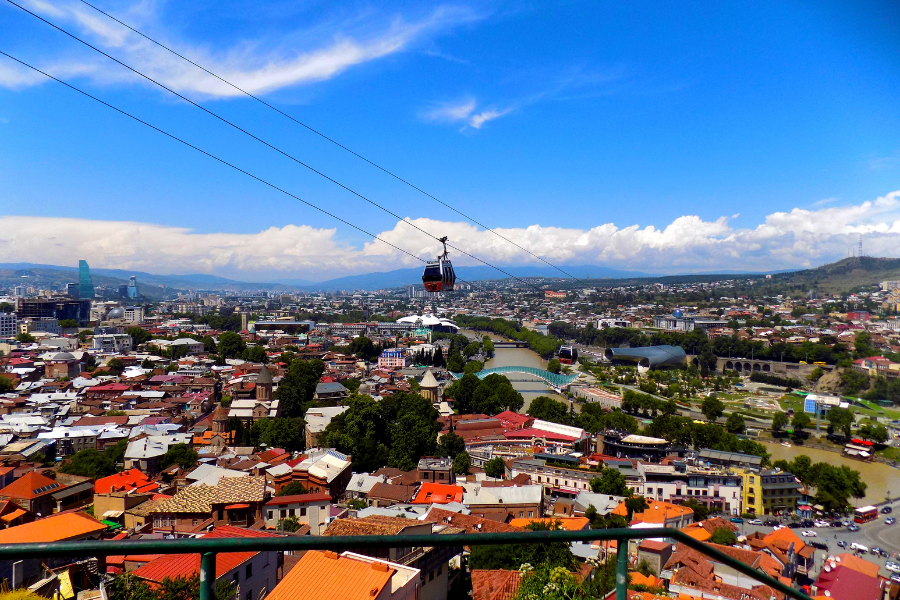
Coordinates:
column 648, row 357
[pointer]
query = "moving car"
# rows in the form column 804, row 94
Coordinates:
column 875, row 550
column 853, row 527
column 842, row 543
column 808, row 533
column 886, row 510
column 821, row 524
column 754, row 522
column 736, row 520
column 770, row 523
column 859, row 547
column 890, row 521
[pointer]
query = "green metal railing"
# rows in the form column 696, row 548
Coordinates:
column 209, row 548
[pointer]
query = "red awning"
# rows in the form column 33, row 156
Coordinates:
column 235, row 506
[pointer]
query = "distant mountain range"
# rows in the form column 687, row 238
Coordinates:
column 834, row 277
column 401, row 277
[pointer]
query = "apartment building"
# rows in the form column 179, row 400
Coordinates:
column 770, row 492
column 714, row 487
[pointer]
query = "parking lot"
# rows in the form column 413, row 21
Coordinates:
column 873, row 534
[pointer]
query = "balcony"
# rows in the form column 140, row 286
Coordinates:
column 209, row 548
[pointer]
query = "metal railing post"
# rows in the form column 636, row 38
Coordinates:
column 207, row 575
column 622, row 569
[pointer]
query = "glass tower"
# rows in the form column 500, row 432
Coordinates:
column 85, row 285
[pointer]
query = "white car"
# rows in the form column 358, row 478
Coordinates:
column 822, row 524
column 892, row 566
column 779, row 526
column 754, row 522
column 808, row 533
column 859, row 547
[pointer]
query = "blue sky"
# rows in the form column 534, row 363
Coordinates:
column 665, row 137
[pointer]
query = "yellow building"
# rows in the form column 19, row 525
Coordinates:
column 770, row 492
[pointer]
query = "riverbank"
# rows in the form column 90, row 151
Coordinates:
column 882, row 479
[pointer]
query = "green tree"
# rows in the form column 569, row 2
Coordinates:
column 712, row 408
column 611, row 482
column 735, row 423
column 455, row 363
column 289, row 524
column 548, row 409
column 224, row 590
column 473, row 366
column 554, row 366
column 298, row 386
column 779, row 422
column 138, row 335
column 635, row 504
column 874, row 432
column 180, row 454
column 256, row 354
column 180, row 588
column 462, row 463
column 68, row 324
column 801, row 421
column 280, row 432
column 471, row 349
column 644, row 568
column 450, row 445
column 701, row 511
column 723, row 536
column 89, row 463
column 231, row 345
column 840, row 419
column 816, row 374
column 495, row 468
column 294, row 488
column 25, row 338
column 129, row 587
column 115, row 366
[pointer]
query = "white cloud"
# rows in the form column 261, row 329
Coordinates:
column 464, row 111
column 795, row 239
column 257, row 67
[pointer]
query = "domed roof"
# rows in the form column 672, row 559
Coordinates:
column 61, row 356
column 116, row 313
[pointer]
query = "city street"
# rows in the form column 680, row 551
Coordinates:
column 872, row 534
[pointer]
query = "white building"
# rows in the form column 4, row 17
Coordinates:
column 308, row 509
column 112, row 343
column 134, row 314
column 8, row 325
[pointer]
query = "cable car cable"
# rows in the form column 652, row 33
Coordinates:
column 220, row 160
column 260, row 140
column 329, row 139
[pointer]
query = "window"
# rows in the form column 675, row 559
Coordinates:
column 236, row 577
column 249, row 595
column 271, row 515
column 302, row 511
column 283, row 513
column 194, row 522
column 649, row 490
column 440, row 475
column 248, row 571
column 530, row 513
column 431, row 576
column 440, row 570
column 521, row 514
column 291, row 511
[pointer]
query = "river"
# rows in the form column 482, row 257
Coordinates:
column 880, row 477
column 522, row 357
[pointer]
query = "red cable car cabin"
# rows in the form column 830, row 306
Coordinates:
column 439, row 275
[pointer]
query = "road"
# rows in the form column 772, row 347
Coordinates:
column 872, row 534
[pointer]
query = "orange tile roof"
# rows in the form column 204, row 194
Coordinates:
column 658, row 512
column 638, row 578
column 132, row 479
column 185, row 565
column 30, row 486
column 438, row 493
column 55, row 528
column 328, row 576
column 858, row 564
column 497, row 584
column 566, row 523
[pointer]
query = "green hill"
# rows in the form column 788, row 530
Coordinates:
column 844, row 275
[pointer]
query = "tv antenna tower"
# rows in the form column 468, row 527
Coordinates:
column 860, row 246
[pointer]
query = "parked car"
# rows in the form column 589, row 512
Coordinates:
column 842, row 543
column 821, row 524
column 853, row 527
column 819, row 545
column 884, row 553
column 736, row 520
column 808, row 533
column 895, row 578
column 836, row 524
column 771, row 523
column 886, row 510
column 794, row 525
column 754, row 522
column 777, row 527
column 859, row 547
column 875, row 550
column 807, row 523
column 890, row 521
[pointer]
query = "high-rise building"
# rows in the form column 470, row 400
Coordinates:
column 8, row 325
column 72, row 290
column 85, row 284
column 132, row 287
